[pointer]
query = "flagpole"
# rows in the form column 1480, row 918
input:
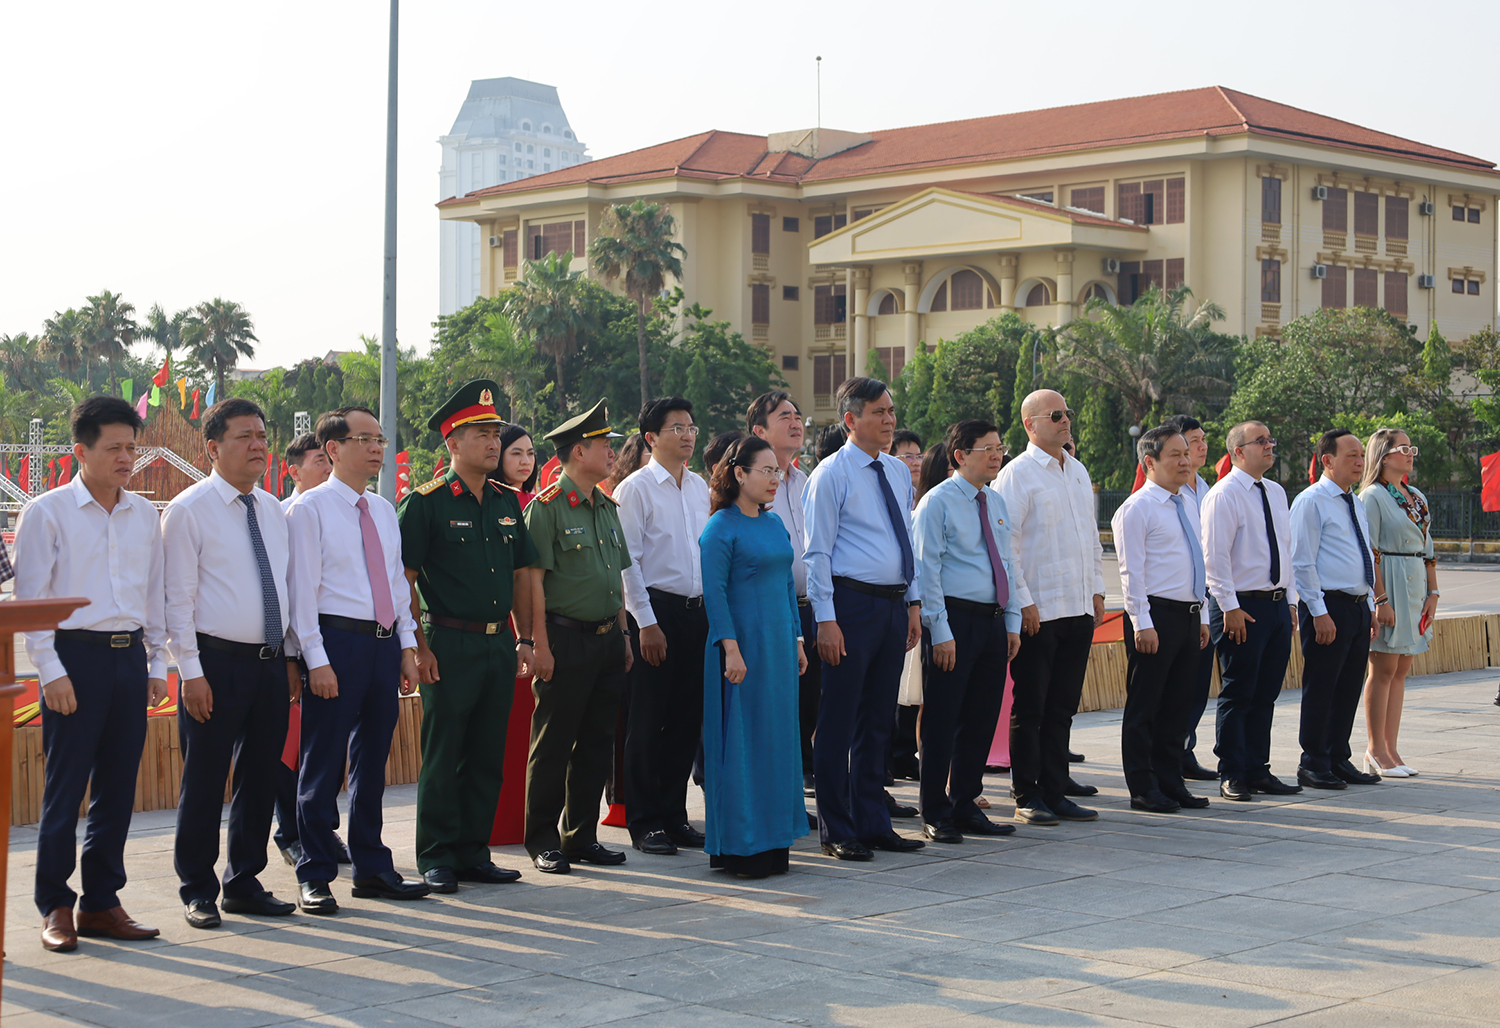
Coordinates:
column 388, row 322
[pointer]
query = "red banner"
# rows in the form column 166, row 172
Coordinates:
column 160, row 378
column 403, row 474
column 1489, row 493
column 26, row 472
column 196, row 393
column 66, row 472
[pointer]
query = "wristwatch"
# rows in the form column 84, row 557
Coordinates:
column 1433, row 592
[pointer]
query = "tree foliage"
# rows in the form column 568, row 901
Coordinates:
column 635, row 244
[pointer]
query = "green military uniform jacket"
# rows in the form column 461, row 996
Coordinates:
column 583, row 547
column 464, row 548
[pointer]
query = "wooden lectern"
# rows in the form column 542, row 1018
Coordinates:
column 18, row 616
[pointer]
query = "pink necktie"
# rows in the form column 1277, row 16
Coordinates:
column 380, row 585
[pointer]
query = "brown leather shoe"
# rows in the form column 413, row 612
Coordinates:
column 58, row 934
column 113, row 924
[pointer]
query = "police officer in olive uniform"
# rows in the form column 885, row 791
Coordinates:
column 581, row 655
column 465, row 549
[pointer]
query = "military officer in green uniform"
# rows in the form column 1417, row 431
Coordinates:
column 466, row 550
column 578, row 618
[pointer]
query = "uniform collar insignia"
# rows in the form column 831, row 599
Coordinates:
column 573, row 499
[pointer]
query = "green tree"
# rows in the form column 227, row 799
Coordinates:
column 22, row 362
column 279, row 400
column 1437, row 357
column 62, row 342
column 1480, row 354
column 164, row 331
column 969, row 376
column 717, row 369
column 635, row 243
column 547, row 304
column 217, row 334
column 108, row 329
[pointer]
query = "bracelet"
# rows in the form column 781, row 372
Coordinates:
column 913, row 603
column 627, row 634
column 525, row 642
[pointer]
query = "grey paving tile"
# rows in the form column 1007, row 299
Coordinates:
column 1258, row 916
column 693, row 1016
column 1183, row 1001
column 1321, row 970
column 1311, row 857
column 396, row 975
column 967, row 877
column 1147, row 943
column 1470, row 992
column 858, row 1001
column 1009, row 973
column 1070, row 858
column 547, row 999
column 1358, row 892
column 1456, row 868
column 1099, row 895
column 853, row 945
column 1014, row 1014
column 1210, row 875
column 240, row 1003
column 985, row 920
column 1371, row 1015
column 702, row 974
column 1455, row 933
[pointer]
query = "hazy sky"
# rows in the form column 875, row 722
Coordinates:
column 179, row 151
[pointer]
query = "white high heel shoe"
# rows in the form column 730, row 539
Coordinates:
column 1411, row 772
column 1372, row 766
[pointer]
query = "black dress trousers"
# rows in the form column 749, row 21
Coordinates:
column 1048, row 671
column 1333, row 679
column 1159, row 689
column 959, row 711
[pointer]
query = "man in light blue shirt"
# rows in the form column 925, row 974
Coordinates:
column 1334, row 571
column 862, row 582
column 963, row 534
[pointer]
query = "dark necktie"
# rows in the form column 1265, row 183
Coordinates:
column 1359, row 535
column 1265, row 505
column 1002, row 584
column 270, row 602
column 908, row 564
column 1195, row 548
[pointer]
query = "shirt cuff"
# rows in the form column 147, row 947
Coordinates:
column 315, row 657
column 51, row 671
column 823, row 611
column 1315, row 606
column 1013, row 622
column 190, row 667
column 157, row 668
column 941, row 631
column 1144, row 621
column 408, row 640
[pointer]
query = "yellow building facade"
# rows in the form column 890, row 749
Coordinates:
column 826, row 246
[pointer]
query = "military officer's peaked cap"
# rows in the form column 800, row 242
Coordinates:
column 588, row 425
column 472, row 404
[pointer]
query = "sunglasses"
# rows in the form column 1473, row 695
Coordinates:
column 1410, row 451
column 1058, row 415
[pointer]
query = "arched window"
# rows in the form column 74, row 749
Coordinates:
column 546, row 130
column 530, row 148
column 567, row 133
column 1099, row 291
column 518, row 148
column 1039, row 296
column 546, row 151
column 525, row 126
column 888, row 304
column 966, row 291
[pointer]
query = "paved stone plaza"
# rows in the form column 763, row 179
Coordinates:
column 1371, row 907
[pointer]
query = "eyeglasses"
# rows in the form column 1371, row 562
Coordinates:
column 911, row 458
column 365, row 440
column 1410, row 451
column 681, row 430
column 1058, row 415
column 775, row 473
column 1264, row 440
column 987, row 450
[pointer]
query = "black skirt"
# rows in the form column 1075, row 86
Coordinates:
column 756, row 865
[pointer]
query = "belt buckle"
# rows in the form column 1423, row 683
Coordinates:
column 999, row 611
column 1278, row 594
column 694, row 602
column 120, row 641
column 381, row 632
column 268, row 652
column 1194, row 608
column 604, row 628
column 491, row 627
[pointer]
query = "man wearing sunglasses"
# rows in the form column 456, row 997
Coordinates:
column 1055, row 545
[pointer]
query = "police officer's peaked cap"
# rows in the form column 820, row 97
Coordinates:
column 588, row 425
column 472, row 404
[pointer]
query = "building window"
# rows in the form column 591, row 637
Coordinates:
column 530, row 148
column 508, row 238
column 546, row 130
column 789, row 362
column 1130, row 205
column 894, row 359
column 518, row 148
column 558, row 237
column 1397, row 208
column 525, row 126
column 966, row 290
column 1395, row 293
column 1473, row 287
column 826, row 223
column 1090, row 198
column 1336, row 285
column 1176, row 272
column 1270, row 277
column 865, row 212
column 1039, row 195
column 1154, row 202
column 760, row 304
column 546, row 151
column 1097, row 291
column 1152, row 274
column 1176, row 200
column 1367, row 214
column 530, row 163
column 940, row 300
column 1458, row 285
column 887, row 303
column 791, row 225
column 1128, row 288
column 1459, row 212
column 1039, row 296
column 546, row 167
column 1366, row 287
column 760, row 233
column 1270, row 200
column 829, row 305
column 791, row 293
column 828, row 373
column 567, row 133
column 1336, row 214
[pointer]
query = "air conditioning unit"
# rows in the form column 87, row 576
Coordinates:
column 1111, row 265
column 1427, row 207
column 1320, row 270
column 1320, row 192
column 1426, row 281
column 496, row 241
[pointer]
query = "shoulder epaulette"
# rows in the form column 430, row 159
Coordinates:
column 608, row 497
column 427, row 488
column 550, row 493
column 501, row 487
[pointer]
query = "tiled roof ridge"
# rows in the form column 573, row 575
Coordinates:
column 1061, row 107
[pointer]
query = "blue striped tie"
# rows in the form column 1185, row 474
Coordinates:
column 270, row 602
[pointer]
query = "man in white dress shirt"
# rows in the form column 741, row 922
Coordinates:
column 775, row 418
column 1157, row 537
column 351, row 613
column 226, row 612
column 99, row 670
column 1061, row 590
column 663, row 510
column 1247, row 540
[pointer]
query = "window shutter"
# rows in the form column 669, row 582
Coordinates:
column 822, row 375
column 1089, row 199
column 967, row 291
column 534, row 242
column 840, row 372
column 1366, row 287
column 940, row 300
column 1175, row 272
column 1270, row 200
column 839, row 221
column 840, row 304
column 1395, row 293
column 791, row 225
column 1397, row 213
column 822, row 225
column 580, row 239
column 1126, row 287
column 1336, row 216
column 1176, row 200
column 1038, row 297
column 760, row 304
column 888, row 303
column 1154, row 195
column 510, row 247
column 1336, row 285
column 822, row 305
column 1270, row 279
column 1152, row 273
column 1366, row 214
column 1129, row 204
column 760, row 233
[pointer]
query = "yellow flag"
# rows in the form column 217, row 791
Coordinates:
column 182, row 392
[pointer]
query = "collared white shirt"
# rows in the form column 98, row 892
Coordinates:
column 68, row 545
column 1236, row 551
column 788, row 507
column 1154, row 556
column 1054, row 533
column 662, row 524
column 1325, row 553
column 212, row 576
column 1196, row 491
column 327, row 571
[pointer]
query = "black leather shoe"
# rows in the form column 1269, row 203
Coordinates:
column 486, row 874
column 1035, row 813
column 656, row 842
column 1075, row 758
column 1074, row 789
column 292, row 853
column 978, row 824
column 1236, row 789
column 1347, row 772
column 899, row 809
column 595, row 853
column 265, row 905
column 1194, row 771
column 390, row 886
column 1185, row 799
column 942, row 831
column 909, row 768
column 1156, row 802
column 851, row 850
column 552, row 862
column 441, row 879
column 341, row 852
column 202, row 914
column 686, row 836
column 1066, row 810
column 1273, row 786
column 809, row 786
column 1320, row 779
column 315, row 898
column 893, row 843
column 812, row 822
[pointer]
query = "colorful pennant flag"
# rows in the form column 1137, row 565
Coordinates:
column 195, row 404
column 213, row 390
column 155, row 395
column 1140, row 478
column 66, row 472
column 140, row 405
column 403, row 474
column 25, row 472
column 160, row 379
column 127, row 388
column 52, row 473
column 1489, row 475
column 182, row 394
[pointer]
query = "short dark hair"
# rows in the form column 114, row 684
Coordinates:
column 654, row 413
column 1184, row 423
column 764, row 405
column 1152, row 441
column 856, row 392
column 91, row 415
column 334, row 425
column 962, row 435
column 718, row 446
column 1328, row 444
column 216, row 419
column 935, row 469
column 510, row 435
column 724, row 486
column 830, row 439
column 300, row 447
column 906, row 435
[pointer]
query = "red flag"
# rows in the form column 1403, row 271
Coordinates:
column 52, row 473
column 1140, row 478
column 1312, row 471
column 26, row 473
column 1489, row 474
column 196, row 393
column 403, row 474
column 67, row 469
column 160, row 378
column 437, row 472
column 270, row 485
column 1222, row 468
column 551, row 472
column 5, row 467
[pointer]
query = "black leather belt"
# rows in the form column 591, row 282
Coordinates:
column 359, row 625
column 989, row 610
column 114, row 640
column 885, row 592
column 803, row 601
column 591, row 627
column 238, row 649
column 1349, row 597
column 477, row 627
column 667, row 599
column 1391, row 553
column 1186, row 606
column 1262, row 594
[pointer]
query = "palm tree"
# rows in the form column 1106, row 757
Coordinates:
column 164, row 331
column 109, row 329
column 62, row 342
column 217, row 333
column 20, row 357
column 1152, row 352
column 635, row 243
column 16, row 408
column 547, row 304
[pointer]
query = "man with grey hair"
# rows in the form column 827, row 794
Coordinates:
column 1055, row 542
column 1247, row 552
